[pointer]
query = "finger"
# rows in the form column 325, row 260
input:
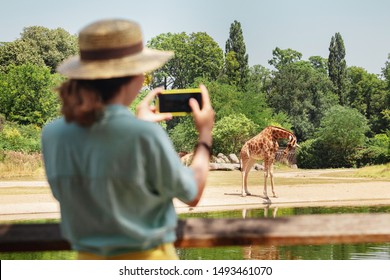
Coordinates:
column 194, row 105
column 152, row 94
column 163, row 117
column 205, row 96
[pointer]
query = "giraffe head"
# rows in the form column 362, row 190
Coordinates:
column 292, row 144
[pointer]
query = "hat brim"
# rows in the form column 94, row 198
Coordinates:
column 143, row 62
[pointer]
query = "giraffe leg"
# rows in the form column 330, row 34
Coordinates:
column 271, row 173
column 266, row 171
column 245, row 171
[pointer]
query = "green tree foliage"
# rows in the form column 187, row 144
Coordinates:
column 319, row 63
column 304, row 94
column 40, row 46
column 281, row 58
column 231, row 74
column 226, row 99
column 259, row 79
column 367, row 93
column 229, row 100
column 53, row 45
column 376, row 151
column 17, row 53
column 386, row 71
column 27, row 96
column 386, row 74
column 235, row 50
column 184, row 135
column 337, row 67
column 231, row 132
column 21, row 138
column 338, row 140
column 343, row 129
column 196, row 55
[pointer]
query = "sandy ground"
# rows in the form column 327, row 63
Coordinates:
column 342, row 191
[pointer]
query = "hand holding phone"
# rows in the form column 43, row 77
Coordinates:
column 176, row 101
column 147, row 112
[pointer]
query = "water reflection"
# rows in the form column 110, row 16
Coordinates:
column 266, row 211
column 379, row 251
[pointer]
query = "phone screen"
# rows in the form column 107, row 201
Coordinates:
column 177, row 102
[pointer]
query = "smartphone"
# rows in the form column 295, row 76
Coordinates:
column 176, row 101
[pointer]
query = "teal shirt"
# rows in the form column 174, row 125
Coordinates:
column 115, row 182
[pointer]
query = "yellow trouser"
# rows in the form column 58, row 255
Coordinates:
column 161, row 252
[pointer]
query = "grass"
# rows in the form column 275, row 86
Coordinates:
column 20, row 165
column 301, row 178
column 24, row 190
column 375, row 172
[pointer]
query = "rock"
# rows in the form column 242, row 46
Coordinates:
column 259, row 167
column 187, row 159
column 223, row 166
column 223, row 158
column 233, row 158
column 218, row 160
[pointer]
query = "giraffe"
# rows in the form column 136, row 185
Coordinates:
column 264, row 147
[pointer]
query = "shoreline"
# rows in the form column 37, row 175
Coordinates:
column 311, row 192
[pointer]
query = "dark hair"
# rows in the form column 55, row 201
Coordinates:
column 83, row 100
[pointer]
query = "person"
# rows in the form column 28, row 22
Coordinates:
column 114, row 173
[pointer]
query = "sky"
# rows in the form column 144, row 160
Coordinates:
column 306, row 26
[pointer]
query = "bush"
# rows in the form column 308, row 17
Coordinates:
column 27, row 96
column 184, row 135
column 337, row 142
column 21, row 138
column 376, row 151
column 16, row 164
column 372, row 155
column 306, row 155
column 231, row 132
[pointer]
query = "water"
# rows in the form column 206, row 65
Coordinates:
column 380, row 251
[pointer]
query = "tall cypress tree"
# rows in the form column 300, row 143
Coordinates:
column 235, row 45
column 337, row 67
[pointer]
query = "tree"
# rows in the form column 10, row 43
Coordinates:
column 184, row 135
column 386, row 71
column 282, row 58
column 53, row 45
column 231, row 74
column 304, row 94
column 231, row 132
column 337, row 67
column 226, row 99
column 19, row 52
column 196, row 55
column 26, row 94
column 259, row 79
column 319, row 63
column 207, row 60
column 367, row 93
column 235, row 45
column 39, row 46
column 341, row 133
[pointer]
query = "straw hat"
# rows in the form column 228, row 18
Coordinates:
column 112, row 48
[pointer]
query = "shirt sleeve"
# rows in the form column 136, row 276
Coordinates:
column 167, row 176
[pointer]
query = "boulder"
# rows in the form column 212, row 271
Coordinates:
column 223, row 166
column 223, row 158
column 259, row 167
column 233, row 158
column 187, row 159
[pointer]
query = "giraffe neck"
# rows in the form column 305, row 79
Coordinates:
column 281, row 133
